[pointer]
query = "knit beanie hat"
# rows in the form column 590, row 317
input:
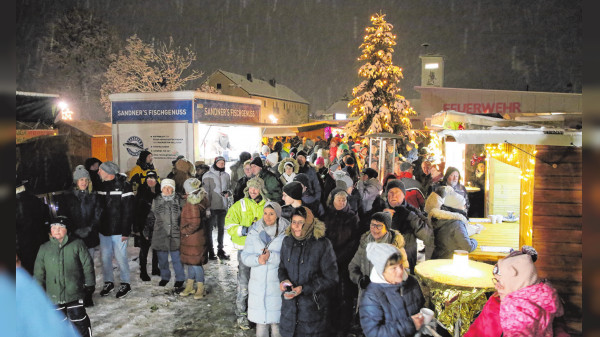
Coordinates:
column 371, row 173
column 244, row 156
column 383, row 217
column 405, row 166
column 301, row 153
column 517, row 271
column 343, row 147
column 343, row 181
column 257, row 161
column 293, row 190
column 379, row 253
column 350, row 161
column 80, row 172
column 152, row 175
column 453, row 199
column 272, row 158
column 289, row 163
column 395, row 183
column 302, row 178
column 219, row 158
column 168, row 182
column 275, row 206
column 110, row 167
column 265, row 149
column 191, row 185
column 320, row 161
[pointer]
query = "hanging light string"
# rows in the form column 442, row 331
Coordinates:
column 532, row 155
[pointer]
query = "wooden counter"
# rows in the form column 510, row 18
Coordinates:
column 505, row 234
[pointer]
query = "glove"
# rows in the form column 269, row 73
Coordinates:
column 401, row 213
column 364, row 281
column 244, row 231
column 208, row 213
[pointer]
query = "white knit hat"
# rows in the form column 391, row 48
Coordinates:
column 454, row 199
column 272, row 158
column 379, row 253
column 168, row 182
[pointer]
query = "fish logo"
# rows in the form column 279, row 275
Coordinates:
column 134, row 146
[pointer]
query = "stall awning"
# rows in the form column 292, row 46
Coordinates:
column 515, row 136
column 279, row 131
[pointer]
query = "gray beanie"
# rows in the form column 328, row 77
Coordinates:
column 80, row 172
column 275, row 206
column 383, row 217
column 379, row 253
column 344, row 182
column 110, row 167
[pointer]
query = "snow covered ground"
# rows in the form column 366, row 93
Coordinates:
column 150, row 310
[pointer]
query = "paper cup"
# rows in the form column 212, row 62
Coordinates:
column 499, row 218
column 427, row 315
column 492, row 218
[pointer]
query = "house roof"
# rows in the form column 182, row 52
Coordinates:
column 89, row 127
column 262, row 88
column 340, row 106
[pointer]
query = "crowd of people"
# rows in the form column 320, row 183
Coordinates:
column 320, row 241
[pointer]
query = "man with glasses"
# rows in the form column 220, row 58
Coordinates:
column 381, row 232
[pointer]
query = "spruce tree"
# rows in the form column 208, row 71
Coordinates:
column 377, row 101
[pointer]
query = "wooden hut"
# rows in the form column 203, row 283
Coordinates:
column 87, row 139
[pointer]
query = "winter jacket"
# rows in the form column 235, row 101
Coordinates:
column 240, row 217
column 117, row 202
column 309, row 263
column 412, row 224
column 355, row 202
column 272, row 185
column 369, row 190
column 342, row 231
column 361, row 266
column 386, row 309
column 531, row 311
column 164, row 218
column 137, row 176
column 264, row 296
column 286, row 212
column 193, row 239
column 83, row 210
column 313, row 190
column 143, row 202
column 215, row 183
column 414, row 192
column 64, row 269
column 237, row 172
column 450, row 233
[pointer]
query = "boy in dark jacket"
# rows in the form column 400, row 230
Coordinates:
column 64, row 268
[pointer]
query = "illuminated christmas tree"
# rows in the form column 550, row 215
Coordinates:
column 377, row 101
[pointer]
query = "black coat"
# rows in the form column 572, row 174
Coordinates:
column 117, row 203
column 143, row 202
column 342, row 231
column 311, row 264
column 412, row 224
column 83, row 210
column 312, row 196
column 238, row 192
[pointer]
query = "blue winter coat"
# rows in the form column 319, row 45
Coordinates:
column 311, row 264
column 264, row 296
column 385, row 309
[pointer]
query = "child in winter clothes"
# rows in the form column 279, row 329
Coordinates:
column 193, row 240
column 288, row 168
column 64, row 268
column 164, row 218
column 523, row 305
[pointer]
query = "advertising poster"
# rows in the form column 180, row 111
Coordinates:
column 165, row 140
column 224, row 140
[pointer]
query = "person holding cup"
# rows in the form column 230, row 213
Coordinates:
column 307, row 274
column 391, row 304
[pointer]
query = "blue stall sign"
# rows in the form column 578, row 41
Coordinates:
column 152, row 111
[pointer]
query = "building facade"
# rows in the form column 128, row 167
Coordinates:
column 280, row 104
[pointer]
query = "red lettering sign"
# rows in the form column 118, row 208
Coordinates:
column 483, row 107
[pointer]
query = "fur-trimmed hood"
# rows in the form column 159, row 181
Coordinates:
column 318, row 229
column 433, row 208
column 281, row 167
column 196, row 198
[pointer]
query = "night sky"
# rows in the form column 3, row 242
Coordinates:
column 312, row 46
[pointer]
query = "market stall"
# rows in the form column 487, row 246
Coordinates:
column 197, row 125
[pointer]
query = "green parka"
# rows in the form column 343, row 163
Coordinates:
column 64, row 269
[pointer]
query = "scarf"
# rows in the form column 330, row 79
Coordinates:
column 289, row 178
column 307, row 230
column 168, row 197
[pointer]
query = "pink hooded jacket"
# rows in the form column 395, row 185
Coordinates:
column 530, row 311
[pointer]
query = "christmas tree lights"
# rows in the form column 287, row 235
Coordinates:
column 377, row 101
